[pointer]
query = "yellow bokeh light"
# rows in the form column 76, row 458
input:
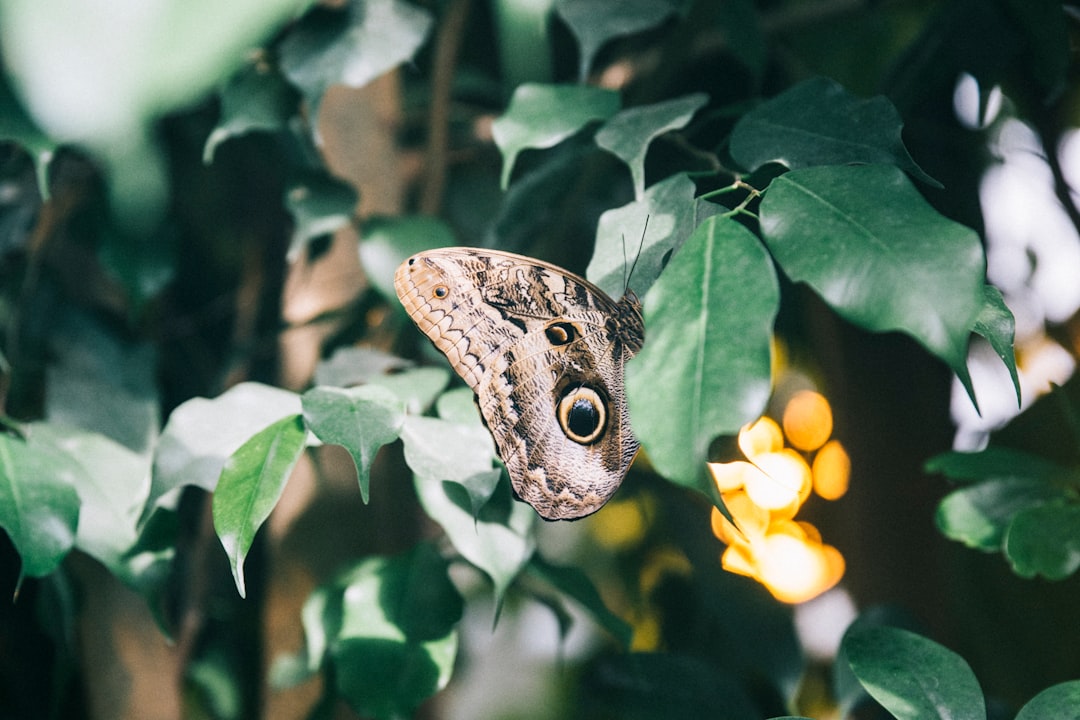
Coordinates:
column 751, row 518
column 739, row 559
column 622, row 524
column 808, row 420
column 797, row 570
column 782, row 478
column 761, row 436
column 728, row 476
column 831, row 470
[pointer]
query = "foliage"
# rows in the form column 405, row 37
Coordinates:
column 736, row 207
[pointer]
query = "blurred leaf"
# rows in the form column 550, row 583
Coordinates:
column 16, row 125
column 350, row 46
column 416, row 387
column 1045, row 540
column 251, row 484
column 995, row 322
column 256, row 98
column 660, row 223
column 458, row 405
column 912, row 677
column 574, row 583
column 143, row 264
column 978, row 515
column 502, row 538
column 878, row 253
column 628, row 134
column 201, row 434
column 1045, row 24
column 542, row 116
column 705, row 368
column 596, row 22
column 1058, row 701
column 817, row 122
column 39, row 505
column 387, row 241
column 351, row 365
column 993, row 462
column 397, row 639
column 360, row 419
column 320, row 204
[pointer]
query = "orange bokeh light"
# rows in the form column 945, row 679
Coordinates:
column 808, row 420
column 831, row 470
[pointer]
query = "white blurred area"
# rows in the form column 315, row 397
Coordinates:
column 1033, row 257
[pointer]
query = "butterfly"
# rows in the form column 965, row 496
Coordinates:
column 544, row 352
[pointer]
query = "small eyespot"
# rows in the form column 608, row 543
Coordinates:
column 561, row 333
column 440, row 291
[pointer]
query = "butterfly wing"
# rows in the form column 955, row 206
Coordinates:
column 544, row 351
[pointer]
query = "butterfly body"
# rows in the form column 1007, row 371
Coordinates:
column 544, row 352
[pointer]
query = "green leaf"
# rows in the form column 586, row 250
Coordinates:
column 878, row 253
column 912, row 677
column 705, row 366
column 596, row 22
column 992, row 462
column 542, row 116
column 416, row 387
column 817, row 122
column 661, row 222
column 355, row 365
column 458, row 405
column 361, row 419
column 16, row 125
column 350, row 46
column 978, row 515
column 201, row 434
column 995, row 322
column 251, row 484
column 320, row 204
column 397, row 641
column 1045, row 540
column 628, row 134
column 574, row 583
column 387, row 241
column 501, row 539
column 256, row 98
column 39, row 506
column 1058, row 701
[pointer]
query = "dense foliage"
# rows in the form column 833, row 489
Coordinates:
column 202, row 206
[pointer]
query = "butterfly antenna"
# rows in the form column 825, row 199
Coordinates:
column 641, row 244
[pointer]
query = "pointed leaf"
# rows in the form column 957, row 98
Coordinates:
column 992, row 462
column 501, row 539
column 995, row 322
column 542, row 116
column 251, row 484
column 660, row 223
column 912, row 677
column 705, row 366
column 628, row 134
column 320, row 204
column 1058, row 701
column 574, row 583
column 39, row 506
column 1045, row 540
column 254, row 99
column 387, row 241
column 360, row 419
column 201, row 434
column 978, row 515
column 817, row 122
column 596, row 22
column 878, row 253
column 350, row 46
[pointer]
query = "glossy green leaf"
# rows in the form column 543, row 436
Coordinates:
column 912, row 677
column 817, row 122
column 643, row 234
column 1045, row 540
column 350, row 45
column 201, row 434
column 501, row 538
column 575, row 584
column 542, row 116
column 979, row 514
column 628, row 134
column 387, row 241
column 251, row 484
column 996, row 323
column 596, row 22
column 39, row 504
column 1059, row 701
column 878, row 253
column 705, row 366
column 361, row 419
column 320, row 204
column 254, row 99
column 993, row 462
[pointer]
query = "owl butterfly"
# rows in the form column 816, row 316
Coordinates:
column 544, row 351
